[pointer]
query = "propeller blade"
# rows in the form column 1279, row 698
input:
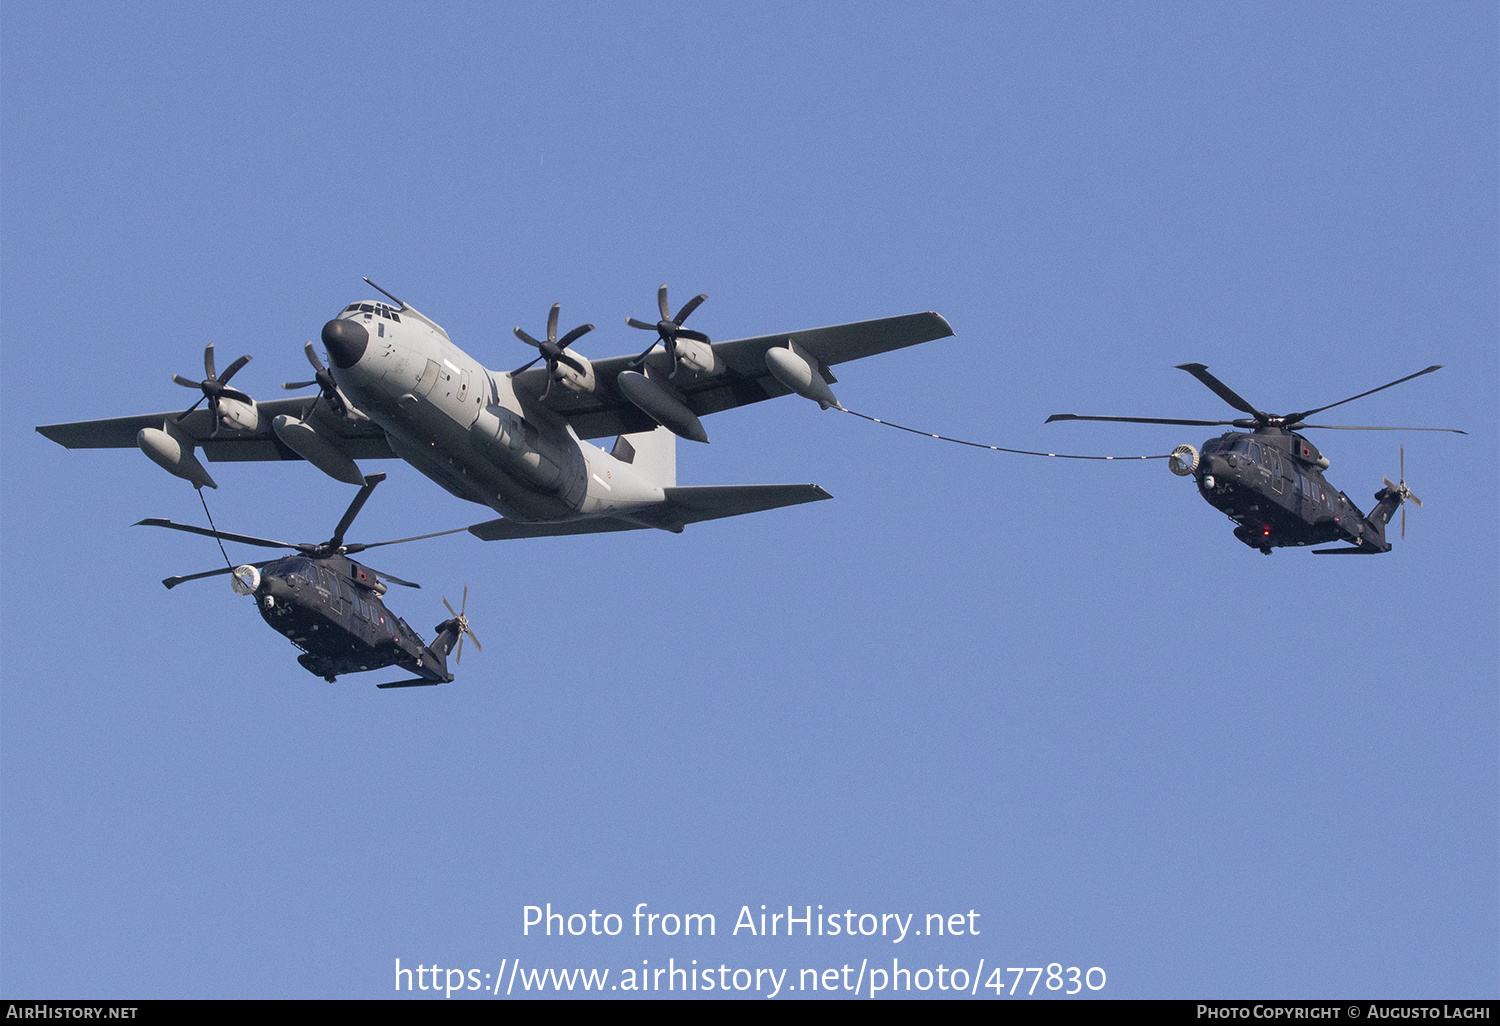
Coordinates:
column 312, row 356
column 234, row 368
column 294, row 385
column 1144, row 420
column 185, row 383
column 267, row 543
column 1295, row 417
column 1223, row 391
column 571, row 361
column 689, row 307
column 527, row 338
column 574, row 335
column 661, row 302
column 629, row 320
column 208, row 362
column 690, row 333
column 234, row 393
column 353, row 510
column 524, row 367
column 552, row 322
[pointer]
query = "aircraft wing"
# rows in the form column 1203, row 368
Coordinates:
column 683, row 506
column 362, row 440
column 746, row 379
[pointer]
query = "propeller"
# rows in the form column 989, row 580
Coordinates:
column 462, row 623
column 333, row 546
column 669, row 329
column 214, row 388
column 1403, row 492
column 329, row 389
column 1259, row 418
column 552, row 350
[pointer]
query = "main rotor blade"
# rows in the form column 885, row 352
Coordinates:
column 398, row 541
column 1144, row 420
column 1295, row 417
column 1222, row 390
column 265, row 543
column 393, row 579
column 354, row 508
column 172, row 582
column 1353, row 427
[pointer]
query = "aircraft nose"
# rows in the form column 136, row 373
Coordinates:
column 346, row 341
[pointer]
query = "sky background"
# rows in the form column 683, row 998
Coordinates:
column 1060, row 694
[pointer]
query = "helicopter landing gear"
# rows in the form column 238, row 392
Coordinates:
column 1265, row 550
column 330, row 678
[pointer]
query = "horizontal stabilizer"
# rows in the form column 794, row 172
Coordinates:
column 1353, row 550
column 415, row 682
column 682, row 506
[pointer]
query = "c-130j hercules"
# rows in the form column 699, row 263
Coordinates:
column 396, row 385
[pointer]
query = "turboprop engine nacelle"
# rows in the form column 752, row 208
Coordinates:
column 697, row 357
column 522, row 451
column 572, row 378
column 173, row 454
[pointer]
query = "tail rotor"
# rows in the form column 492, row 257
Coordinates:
column 1400, row 490
column 462, row 623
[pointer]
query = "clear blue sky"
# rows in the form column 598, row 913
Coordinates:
column 1059, row 694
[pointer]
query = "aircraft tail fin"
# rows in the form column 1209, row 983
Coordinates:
column 653, row 453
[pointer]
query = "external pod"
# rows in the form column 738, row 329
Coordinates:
column 800, row 371
column 173, row 455
column 304, row 440
column 655, row 401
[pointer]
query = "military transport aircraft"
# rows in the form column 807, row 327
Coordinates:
column 516, row 441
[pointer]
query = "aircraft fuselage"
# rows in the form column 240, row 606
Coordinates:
column 465, row 426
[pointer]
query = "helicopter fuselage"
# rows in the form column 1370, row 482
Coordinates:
column 330, row 607
column 1270, row 482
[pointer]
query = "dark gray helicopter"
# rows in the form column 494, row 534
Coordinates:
column 331, row 608
column 1270, row 482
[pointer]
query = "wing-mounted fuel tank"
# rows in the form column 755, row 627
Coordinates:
column 318, row 449
column 800, row 371
column 171, row 449
column 659, row 399
column 522, row 451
